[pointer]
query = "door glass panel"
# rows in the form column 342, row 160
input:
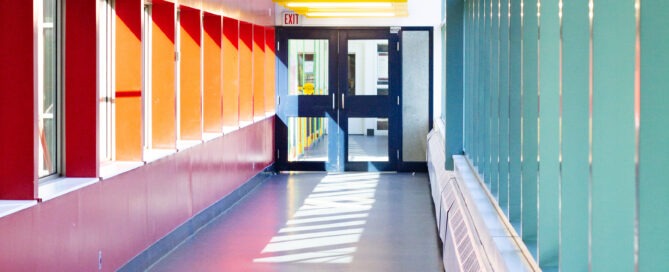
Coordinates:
column 367, row 67
column 415, row 91
column 307, row 139
column 367, row 139
column 308, row 67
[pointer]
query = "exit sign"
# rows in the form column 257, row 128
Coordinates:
column 290, row 18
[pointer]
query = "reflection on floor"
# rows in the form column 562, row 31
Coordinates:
column 367, row 148
column 360, row 148
column 319, row 222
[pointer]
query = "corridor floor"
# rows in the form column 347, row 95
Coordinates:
column 319, row 222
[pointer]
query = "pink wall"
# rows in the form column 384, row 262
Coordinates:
column 123, row 215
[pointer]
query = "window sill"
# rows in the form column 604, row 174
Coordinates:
column 208, row 136
column 186, row 144
column 243, row 124
column 115, row 168
column 151, row 155
column 61, row 186
column 500, row 234
column 228, row 130
column 8, row 207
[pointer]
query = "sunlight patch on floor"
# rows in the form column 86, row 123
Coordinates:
column 328, row 225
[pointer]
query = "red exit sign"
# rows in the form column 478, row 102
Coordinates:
column 290, row 18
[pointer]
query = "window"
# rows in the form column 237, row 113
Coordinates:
column 48, row 90
column 106, row 80
column 147, row 75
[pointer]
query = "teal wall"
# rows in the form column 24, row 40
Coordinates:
column 565, row 116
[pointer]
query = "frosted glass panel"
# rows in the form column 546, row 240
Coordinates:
column 415, row 91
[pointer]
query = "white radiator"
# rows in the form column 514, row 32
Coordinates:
column 467, row 236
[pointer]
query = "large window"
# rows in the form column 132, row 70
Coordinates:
column 106, row 80
column 48, row 95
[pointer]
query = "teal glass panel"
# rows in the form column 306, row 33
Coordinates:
column 530, row 139
column 549, row 145
column 575, row 142
column 504, row 108
column 494, row 101
column 654, row 132
column 613, row 137
column 515, row 33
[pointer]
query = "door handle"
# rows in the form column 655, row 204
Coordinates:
column 333, row 101
column 343, row 103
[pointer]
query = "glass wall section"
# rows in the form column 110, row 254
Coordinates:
column 48, row 86
column 565, row 82
column 308, row 67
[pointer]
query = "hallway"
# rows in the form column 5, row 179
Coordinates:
column 319, row 222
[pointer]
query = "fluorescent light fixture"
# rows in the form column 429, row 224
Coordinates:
column 350, row 14
column 339, row 4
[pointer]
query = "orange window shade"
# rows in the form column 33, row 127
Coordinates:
column 230, row 73
column 128, row 81
column 190, row 94
column 258, row 72
column 163, row 102
column 270, row 56
column 212, row 73
column 245, row 73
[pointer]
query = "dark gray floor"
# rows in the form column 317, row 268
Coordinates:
column 320, row 222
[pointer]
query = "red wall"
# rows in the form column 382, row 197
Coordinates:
column 123, row 215
column 81, row 90
column 18, row 119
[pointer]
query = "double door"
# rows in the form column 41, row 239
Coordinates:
column 338, row 99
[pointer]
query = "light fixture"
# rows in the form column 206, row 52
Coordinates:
column 347, row 8
column 339, row 5
column 350, row 14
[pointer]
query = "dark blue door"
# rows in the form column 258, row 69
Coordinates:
column 337, row 99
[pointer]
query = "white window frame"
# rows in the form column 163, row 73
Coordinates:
column 147, row 72
column 106, row 55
